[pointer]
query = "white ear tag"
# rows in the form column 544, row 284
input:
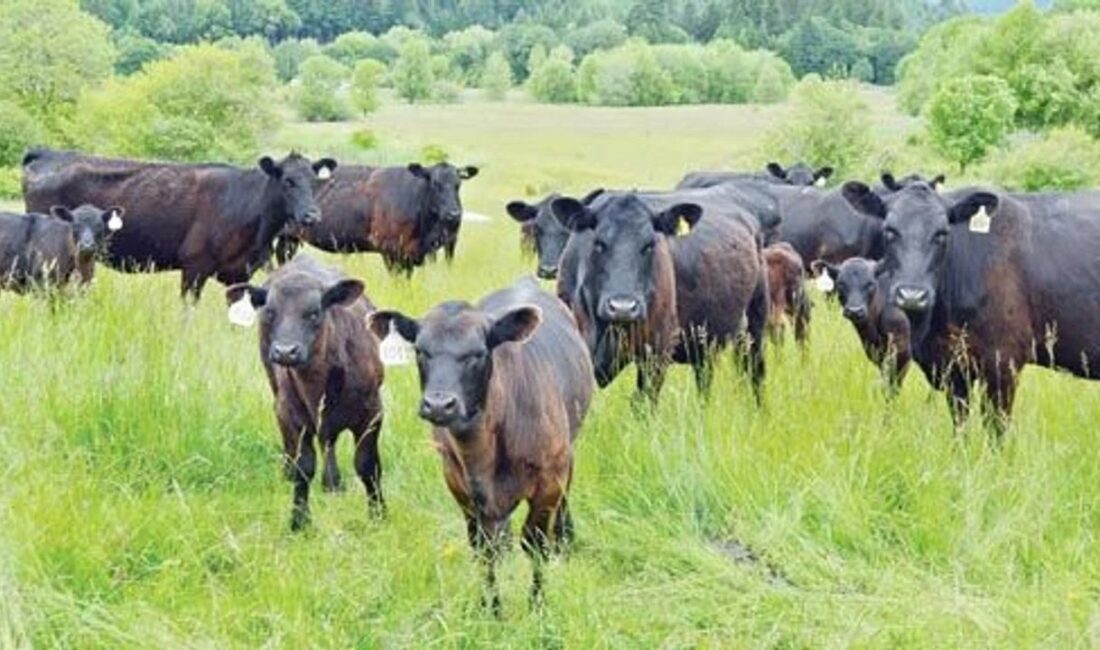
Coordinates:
column 242, row 313
column 324, row 173
column 114, row 223
column 820, row 182
column 394, row 350
column 825, row 282
column 981, row 221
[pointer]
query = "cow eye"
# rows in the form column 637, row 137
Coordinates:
column 600, row 247
column 269, row 315
column 313, row 315
column 890, row 235
column 647, row 248
column 940, row 238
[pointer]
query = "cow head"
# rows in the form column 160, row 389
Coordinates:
column 799, row 174
column 619, row 281
column 91, row 226
column 454, row 354
column 543, row 231
column 444, row 182
column 892, row 184
column 294, row 180
column 294, row 314
column 916, row 230
column 855, row 282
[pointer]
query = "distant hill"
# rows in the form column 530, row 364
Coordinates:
column 999, row 6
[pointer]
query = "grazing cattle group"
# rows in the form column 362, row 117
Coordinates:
column 971, row 284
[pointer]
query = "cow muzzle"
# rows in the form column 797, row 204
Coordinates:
column 439, row 407
column 547, row 272
column 309, row 217
column 856, row 314
column 287, row 354
column 912, row 298
column 623, row 309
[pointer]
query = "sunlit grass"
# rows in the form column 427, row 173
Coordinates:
column 142, row 504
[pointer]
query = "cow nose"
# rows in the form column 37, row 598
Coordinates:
column 912, row 298
column 438, row 407
column 624, row 308
column 855, row 313
column 313, row 215
column 547, row 272
column 454, row 215
column 286, row 354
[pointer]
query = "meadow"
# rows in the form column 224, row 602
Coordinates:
column 142, row 504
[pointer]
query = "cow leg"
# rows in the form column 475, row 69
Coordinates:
column 651, row 377
column 193, row 281
column 563, row 522
column 286, row 247
column 300, row 464
column 485, row 539
column 757, row 316
column 331, row 480
column 1000, row 395
column 536, row 538
column 958, row 397
column 368, row 465
column 802, row 320
column 704, row 375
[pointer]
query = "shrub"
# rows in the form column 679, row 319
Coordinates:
column 434, row 153
column 969, row 116
column 352, row 47
column 1065, row 159
column 289, row 55
column 412, row 72
column 946, row 51
column 203, row 103
column 135, row 50
column 317, row 98
column 445, row 91
column 468, row 51
column 553, row 78
column 18, row 132
column 827, row 126
column 862, row 70
column 517, row 40
column 11, row 183
column 625, row 76
column 599, row 35
column 365, row 80
column 497, row 77
column 364, row 139
column 773, row 82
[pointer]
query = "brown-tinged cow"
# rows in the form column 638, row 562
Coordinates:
column 44, row 252
column 506, row 385
column 788, row 302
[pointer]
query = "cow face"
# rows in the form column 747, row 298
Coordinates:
column 294, row 180
column 454, row 355
column 91, row 226
column 619, row 281
column 547, row 235
column 294, row 314
column 916, row 230
column 444, row 182
column 856, row 284
column 800, row 174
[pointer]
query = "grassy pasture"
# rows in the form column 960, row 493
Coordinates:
column 142, row 504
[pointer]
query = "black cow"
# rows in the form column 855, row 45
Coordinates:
column 405, row 213
column 992, row 282
column 43, row 252
column 205, row 220
column 799, row 175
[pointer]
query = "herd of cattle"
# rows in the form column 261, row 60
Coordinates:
column 972, row 284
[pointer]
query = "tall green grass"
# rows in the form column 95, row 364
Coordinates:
column 142, row 504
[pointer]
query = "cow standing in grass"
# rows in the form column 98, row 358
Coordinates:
column 787, row 299
column 205, row 220
column 506, row 385
column 991, row 282
column 42, row 252
column 325, row 373
column 405, row 213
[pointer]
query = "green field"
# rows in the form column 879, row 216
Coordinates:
column 142, row 504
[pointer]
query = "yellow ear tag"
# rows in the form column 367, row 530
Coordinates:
column 981, row 221
column 682, row 227
column 394, row 350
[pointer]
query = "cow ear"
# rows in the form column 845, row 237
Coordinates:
column 324, row 167
column 416, row 169
column 823, row 173
column 938, row 180
column 270, row 167
column 62, row 213
column 860, row 197
column 344, row 292
column 517, row 325
column 889, row 182
column 573, row 214
column 380, row 323
column 522, row 212
column 775, row 169
column 467, row 172
column 592, row 196
column 112, row 218
column 668, row 222
column 970, row 205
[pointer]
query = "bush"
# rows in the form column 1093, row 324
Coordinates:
column 497, row 77
column 364, row 139
column 773, row 83
column 600, row 35
column 468, row 51
column 1065, row 159
column 827, row 126
column 553, row 79
column 946, row 51
column 445, row 91
column 18, row 132
column 862, row 70
column 11, row 183
column 517, row 41
column 969, row 116
column 365, row 80
column 352, row 47
column 203, row 103
column 317, row 98
column 626, row 76
column 434, row 153
column 289, row 55
column 135, row 50
column 412, row 73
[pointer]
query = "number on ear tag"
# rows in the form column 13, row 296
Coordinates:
column 394, row 350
